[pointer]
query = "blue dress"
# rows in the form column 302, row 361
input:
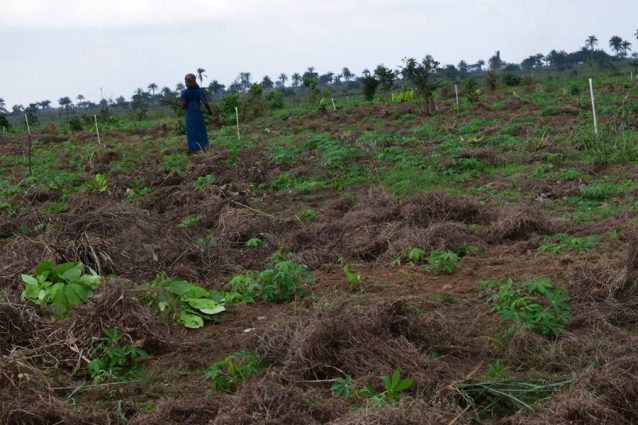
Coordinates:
column 196, row 136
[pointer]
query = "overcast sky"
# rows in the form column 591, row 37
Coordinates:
column 55, row 48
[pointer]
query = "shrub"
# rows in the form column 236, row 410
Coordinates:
column 511, row 80
column 275, row 99
column 442, row 262
column 369, row 87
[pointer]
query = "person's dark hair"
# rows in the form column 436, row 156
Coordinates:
column 191, row 81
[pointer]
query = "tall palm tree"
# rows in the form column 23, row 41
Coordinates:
column 282, row 79
column 179, row 87
column 3, row 105
column 626, row 47
column 616, row 44
column 296, row 79
column 201, row 75
column 152, row 87
column 591, row 42
column 347, row 75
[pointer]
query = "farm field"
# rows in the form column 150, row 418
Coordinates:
column 364, row 265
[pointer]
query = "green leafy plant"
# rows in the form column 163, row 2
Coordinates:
column 393, row 387
column 280, row 282
column 203, row 181
column 100, row 183
column 353, row 278
column 189, row 304
column 254, row 243
column 191, row 222
column 533, row 304
column 307, row 215
column 234, row 369
column 563, row 242
column 59, row 286
column 442, row 262
column 112, row 360
column 342, row 387
column 410, row 255
column 496, row 371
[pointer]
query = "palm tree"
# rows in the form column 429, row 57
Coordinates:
column 347, row 75
column 616, row 44
column 296, row 79
column 591, row 42
column 626, row 47
column 480, row 64
column 216, row 88
column 166, row 92
column 45, row 104
column 3, row 105
column 80, row 98
column 495, row 61
column 152, row 87
column 179, row 87
column 282, row 79
column 201, row 75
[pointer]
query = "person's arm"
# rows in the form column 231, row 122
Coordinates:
column 182, row 99
column 207, row 105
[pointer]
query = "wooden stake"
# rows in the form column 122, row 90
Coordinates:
column 333, row 104
column 237, row 119
column 593, row 105
column 26, row 118
column 456, row 92
column 97, row 130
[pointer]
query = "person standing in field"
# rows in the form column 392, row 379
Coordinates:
column 190, row 99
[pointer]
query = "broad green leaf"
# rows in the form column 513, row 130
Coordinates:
column 404, row 385
column 205, row 305
column 43, row 267
column 31, row 291
column 81, row 291
column 89, row 280
column 71, row 295
column 30, row 280
column 190, row 320
column 72, row 274
column 61, row 268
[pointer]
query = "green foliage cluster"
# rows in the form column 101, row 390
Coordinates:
column 226, row 374
column 280, row 282
column 112, row 360
column 203, row 181
column 533, row 304
column 561, row 242
column 60, row 286
column 188, row 304
column 393, row 387
column 442, row 262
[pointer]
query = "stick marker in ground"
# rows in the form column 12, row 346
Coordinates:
column 97, row 130
column 593, row 105
column 237, row 119
column 26, row 118
column 456, row 92
column 333, row 104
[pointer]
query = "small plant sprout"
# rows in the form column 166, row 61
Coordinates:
column 100, row 183
column 254, row 243
column 343, row 387
column 203, row 181
column 226, row 374
column 353, row 278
